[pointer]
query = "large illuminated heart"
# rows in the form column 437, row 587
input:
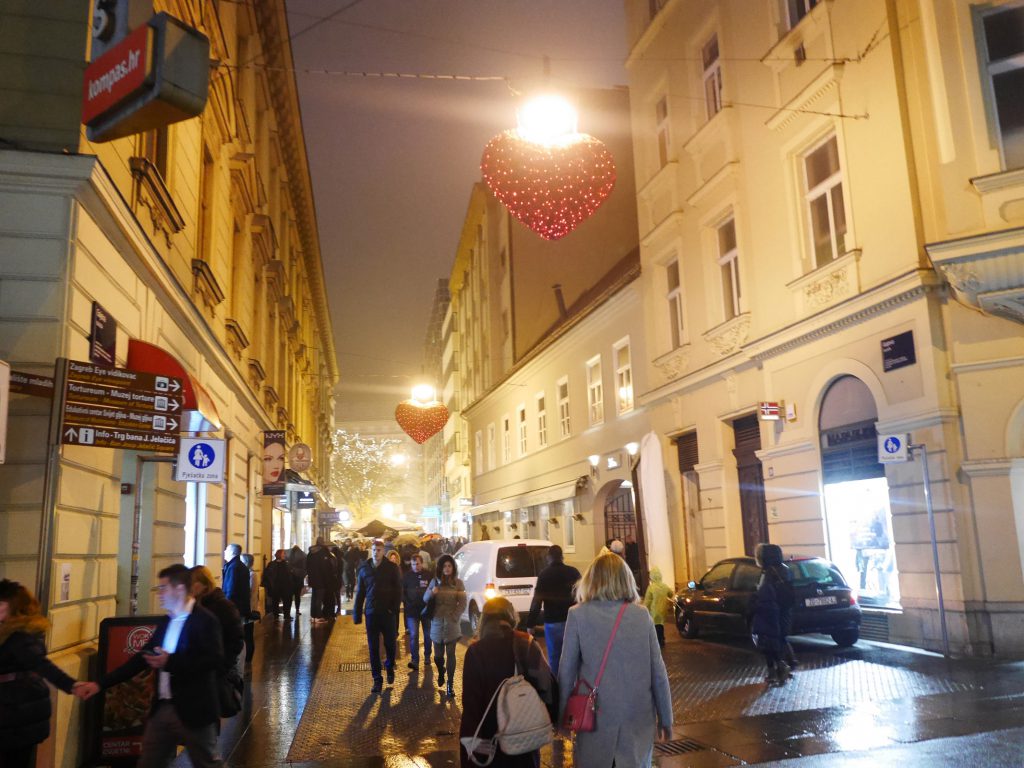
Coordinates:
column 419, row 421
column 551, row 189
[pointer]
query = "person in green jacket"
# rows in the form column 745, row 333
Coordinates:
column 658, row 603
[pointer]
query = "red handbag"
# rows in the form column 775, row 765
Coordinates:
column 581, row 708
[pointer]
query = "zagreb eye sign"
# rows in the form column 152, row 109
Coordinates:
column 200, row 460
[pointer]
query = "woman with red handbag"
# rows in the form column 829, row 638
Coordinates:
column 615, row 694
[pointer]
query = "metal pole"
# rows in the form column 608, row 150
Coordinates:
column 51, row 479
column 133, row 589
column 935, row 546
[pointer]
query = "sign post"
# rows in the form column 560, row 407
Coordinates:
column 923, row 450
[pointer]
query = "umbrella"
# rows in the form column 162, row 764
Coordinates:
column 407, row 539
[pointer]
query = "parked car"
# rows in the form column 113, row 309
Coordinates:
column 723, row 600
column 506, row 567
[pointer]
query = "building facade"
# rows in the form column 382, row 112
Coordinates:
column 200, row 241
column 435, row 450
column 824, row 191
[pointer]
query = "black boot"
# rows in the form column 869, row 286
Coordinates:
column 440, row 673
column 450, row 690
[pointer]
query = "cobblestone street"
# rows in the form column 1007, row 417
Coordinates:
column 309, row 704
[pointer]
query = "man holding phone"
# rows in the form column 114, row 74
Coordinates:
column 186, row 653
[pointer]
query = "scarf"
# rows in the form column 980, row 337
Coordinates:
column 30, row 624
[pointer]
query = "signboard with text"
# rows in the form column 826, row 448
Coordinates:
column 893, row 449
column 118, row 408
column 103, row 336
column 898, row 351
column 118, row 74
column 200, row 460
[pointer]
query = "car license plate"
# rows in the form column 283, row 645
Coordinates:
column 812, row 602
column 517, row 591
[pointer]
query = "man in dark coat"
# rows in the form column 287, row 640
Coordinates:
column 235, row 581
column 379, row 597
column 354, row 558
column 414, row 586
column 554, row 594
column 186, row 654
column 297, row 564
column 277, row 581
column 320, row 574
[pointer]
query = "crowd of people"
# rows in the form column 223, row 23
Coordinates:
column 598, row 632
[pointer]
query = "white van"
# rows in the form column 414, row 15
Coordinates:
column 506, row 567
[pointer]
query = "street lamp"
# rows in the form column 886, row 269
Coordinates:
column 547, row 119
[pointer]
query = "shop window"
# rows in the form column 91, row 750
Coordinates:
column 569, row 526
column 826, row 205
column 195, row 524
column 1004, row 69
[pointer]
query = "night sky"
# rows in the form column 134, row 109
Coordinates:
column 393, row 161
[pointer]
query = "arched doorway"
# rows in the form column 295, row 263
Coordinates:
column 858, row 519
column 620, row 523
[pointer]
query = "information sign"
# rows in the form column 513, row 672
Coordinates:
column 892, row 449
column 31, row 384
column 200, row 460
column 103, row 337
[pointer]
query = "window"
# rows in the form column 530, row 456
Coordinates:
column 674, row 298
column 728, row 263
column 826, row 209
column 154, row 149
column 491, row 462
column 569, row 525
column 195, row 524
column 595, row 391
column 521, row 423
column 623, row 377
column 712, row 77
column 479, row 451
column 662, row 127
column 797, row 9
column 563, row 407
column 655, row 5
column 1004, row 59
column 506, row 440
column 718, row 577
column 542, row 421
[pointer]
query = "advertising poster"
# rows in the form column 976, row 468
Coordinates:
column 274, row 453
column 124, row 707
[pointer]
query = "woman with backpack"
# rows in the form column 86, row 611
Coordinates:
column 499, row 652
column 773, row 605
column 445, row 600
column 610, row 645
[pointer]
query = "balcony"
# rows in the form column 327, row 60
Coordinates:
column 985, row 271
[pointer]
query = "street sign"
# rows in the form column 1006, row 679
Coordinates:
column 132, row 440
column 892, row 449
column 328, row 517
column 35, row 384
column 120, row 408
column 103, row 336
column 200, row 460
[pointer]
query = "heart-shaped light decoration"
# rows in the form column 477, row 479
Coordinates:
column 551, row 188
column 419, row 420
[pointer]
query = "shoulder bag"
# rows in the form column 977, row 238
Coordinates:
column 581, row 708
column 428, row 607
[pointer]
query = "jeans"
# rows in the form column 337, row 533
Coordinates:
column 659, row 630
column 381, row 626
column 440, row 651
column 165, row 731
column 553, row 636
column 413, row 624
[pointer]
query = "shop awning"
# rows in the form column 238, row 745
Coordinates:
column 201, row 413
column 546, row 495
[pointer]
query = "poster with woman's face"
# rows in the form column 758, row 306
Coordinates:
column 273, row 458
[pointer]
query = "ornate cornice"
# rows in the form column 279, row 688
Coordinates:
column 729, row 336
column 673, row 363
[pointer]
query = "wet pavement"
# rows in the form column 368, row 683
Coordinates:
column 308, row 703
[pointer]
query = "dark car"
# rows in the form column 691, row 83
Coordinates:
column 723, row 600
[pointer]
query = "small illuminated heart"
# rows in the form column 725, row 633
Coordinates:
column 421, row 421
column 552, row 189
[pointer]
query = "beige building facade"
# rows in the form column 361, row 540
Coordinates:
column 200, row 240
column 827, row 197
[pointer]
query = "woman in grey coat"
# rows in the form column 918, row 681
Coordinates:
column 446, row 599
column 634, row 701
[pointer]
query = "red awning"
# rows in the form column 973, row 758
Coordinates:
column 143, row 356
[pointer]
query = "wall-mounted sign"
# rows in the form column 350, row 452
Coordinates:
column 200, row 460
column 273, row 462
column 769, row 411
column 305, row 499
column 300, row 457
column 35, row 384
column 898, row 351
column 103, row 336
column 327, row 517
column 118, row 74
column 893, row 449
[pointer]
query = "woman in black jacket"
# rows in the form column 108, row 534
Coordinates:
column 24, row 697
column 213, row 599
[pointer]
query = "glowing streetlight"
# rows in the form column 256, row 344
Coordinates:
column 423, row 393
column 547, row 119
column 399, row 459
column 387, row 509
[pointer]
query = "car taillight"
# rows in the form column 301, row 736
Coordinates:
column 491, row 591
column 853, row 599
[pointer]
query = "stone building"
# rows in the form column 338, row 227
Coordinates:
column 830, row 224
column 200, row 241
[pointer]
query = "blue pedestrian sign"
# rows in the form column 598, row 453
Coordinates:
column 200, row 460
column 892, row 449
